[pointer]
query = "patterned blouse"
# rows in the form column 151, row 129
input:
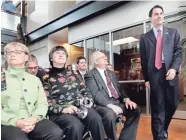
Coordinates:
column 62, row 87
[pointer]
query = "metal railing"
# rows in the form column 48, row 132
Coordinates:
column 147, row 93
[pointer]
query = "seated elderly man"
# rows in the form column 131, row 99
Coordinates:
column 23, row 101
column 110, row 101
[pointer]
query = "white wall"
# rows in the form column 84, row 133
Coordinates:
column 123, row 16
column 40, row 50
column 46, row 11
column 39, row 17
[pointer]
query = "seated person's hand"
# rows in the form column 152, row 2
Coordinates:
column 25, row 126
column 28, row 129
column 129, row 103
column 32, row 120
column 117, row 110
column 70, row 110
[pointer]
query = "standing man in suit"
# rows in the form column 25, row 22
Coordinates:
column 161, row 56
column 110, row 101
column 81, row 67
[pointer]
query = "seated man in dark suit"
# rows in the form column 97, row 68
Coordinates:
column 110, row 101
column 81, row 67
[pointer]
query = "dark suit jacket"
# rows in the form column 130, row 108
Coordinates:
column 96, row 84
column 171, row 49
column 80, row 76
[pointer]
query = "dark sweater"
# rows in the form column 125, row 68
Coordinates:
column 62, row 87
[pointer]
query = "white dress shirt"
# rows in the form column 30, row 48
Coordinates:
column 101, row 71
column 82, row 74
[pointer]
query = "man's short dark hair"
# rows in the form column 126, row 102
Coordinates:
column 79, row 58
column 151, row 10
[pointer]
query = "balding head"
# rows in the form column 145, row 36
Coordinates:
column 32, row 65
column 99, row 60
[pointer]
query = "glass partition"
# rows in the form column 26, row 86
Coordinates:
column 100, row 43
column 127, row 63
column 75, row 50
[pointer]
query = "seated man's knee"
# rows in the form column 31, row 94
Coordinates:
column 137, row 112
column 94, row 115
column 76, row 127
column 110, row 115
column 56, row 133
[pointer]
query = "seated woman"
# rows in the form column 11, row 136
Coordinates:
column 23, row 101
column 62, row 86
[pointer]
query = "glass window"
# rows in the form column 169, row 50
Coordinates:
column 126, row 52
column 75, row 50
column 127, row 64
column 100, row 43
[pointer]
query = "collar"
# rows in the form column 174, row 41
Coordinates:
column 82, row 72
column 101, row 70
column 16, row 71
column 58, row 70
column 156, row 29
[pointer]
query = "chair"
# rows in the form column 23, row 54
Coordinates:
column 87, row 135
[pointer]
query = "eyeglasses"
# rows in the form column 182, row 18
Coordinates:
column 30, row 68
column 14, row 52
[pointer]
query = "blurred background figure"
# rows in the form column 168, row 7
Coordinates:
column 33, row 68
column 109, row 67
column 8, row 7
column 69, row 67
column 4, row 67
column 81, row 66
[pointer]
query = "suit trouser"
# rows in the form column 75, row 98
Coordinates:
column 164, row 101
column 109, row 121
column 44, row 130
column 73, row 127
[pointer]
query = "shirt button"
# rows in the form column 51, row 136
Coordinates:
column 23, row 79
column 25, row 90
column 29, row 103
column 2, row 107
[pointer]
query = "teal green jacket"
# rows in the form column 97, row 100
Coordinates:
column 22, row 96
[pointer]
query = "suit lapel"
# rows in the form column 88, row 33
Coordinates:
column 165, row 36
column 100, row 79
column 152, row 37
column 80, row 76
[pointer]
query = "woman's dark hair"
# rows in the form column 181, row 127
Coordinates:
column 54, row 49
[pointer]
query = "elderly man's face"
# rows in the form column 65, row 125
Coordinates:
column 59, row 57
column 32, row 67
column 101, row 60
column 15, row 56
